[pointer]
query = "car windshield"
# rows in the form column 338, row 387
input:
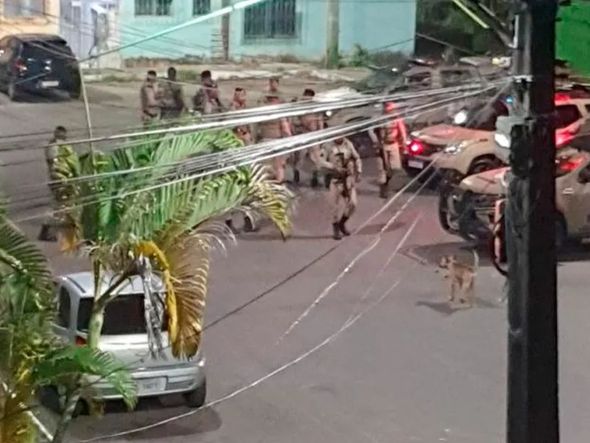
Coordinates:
column 124, row 315
column 47, row 49
column 566, row 115
column 484, row 117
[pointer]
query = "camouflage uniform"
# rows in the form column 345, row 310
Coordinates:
column 150, row 102
column 345, row 167
column 172, row 102
column 311, row 123
column 273, row 130
column 392, row 139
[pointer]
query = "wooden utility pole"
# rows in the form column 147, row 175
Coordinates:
column 533, row 413
column 225, row 25
column 333, row 27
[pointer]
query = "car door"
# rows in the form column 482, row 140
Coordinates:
column 574, row 201
column 64, row 326
column 5, row 58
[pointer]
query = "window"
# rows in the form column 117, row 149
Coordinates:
column 153, row 7
column 271, row 20
column 451, row 77
column 124, row 315
column 64, row 308
column 566, row 115
column 24, row 8
column 201, row 7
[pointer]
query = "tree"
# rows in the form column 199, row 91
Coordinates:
column 32, row 357
column 142, row 213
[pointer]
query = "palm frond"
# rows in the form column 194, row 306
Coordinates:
column 188, row 261
column 21, row 257
column 60, row 365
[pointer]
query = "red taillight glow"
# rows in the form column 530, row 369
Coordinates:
column 561, row 97
column 415, row 147
column 563, row 138
column 571, row 164
column 80, row 341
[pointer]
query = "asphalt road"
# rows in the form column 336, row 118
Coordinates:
column 380, row 356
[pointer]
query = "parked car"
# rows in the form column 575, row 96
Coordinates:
column 474, row 205
column 124, row 335
column 419, row 77
column 468, row 146
column 34, row 63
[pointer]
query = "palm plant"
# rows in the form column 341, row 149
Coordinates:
column 32, row 357
column 143, row 210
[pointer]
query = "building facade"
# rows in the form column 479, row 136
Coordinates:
column 273, row 28
column 29, row 17
column 90, row 27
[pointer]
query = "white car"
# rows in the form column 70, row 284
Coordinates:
column 124, row 335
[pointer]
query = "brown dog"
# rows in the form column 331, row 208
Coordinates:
column 462, row 277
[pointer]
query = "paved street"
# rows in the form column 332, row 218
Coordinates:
column 380, row 357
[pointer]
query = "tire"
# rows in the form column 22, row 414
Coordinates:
column 13, row 92
column 483, row 164
column 52, row 399
column 443, row 210
column 561, row 240
column 363, row 145
column 75, row 95
column 196, row 398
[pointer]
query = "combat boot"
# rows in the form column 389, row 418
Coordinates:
column 315, row 182
column 336, row 228
column 342, row 226
column 296, row 176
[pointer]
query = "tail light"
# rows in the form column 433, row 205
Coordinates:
column 563, row 138
column 20, row 66
column 80, row 341
column 416, row 147
column 569, row 165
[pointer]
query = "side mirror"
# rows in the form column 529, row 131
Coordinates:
column 584, row 176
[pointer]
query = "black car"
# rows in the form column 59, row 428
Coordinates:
column 34, row 63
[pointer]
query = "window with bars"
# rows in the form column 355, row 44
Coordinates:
column 274, row 19
column 24, row 8
column 153, row 7
column 201, row 7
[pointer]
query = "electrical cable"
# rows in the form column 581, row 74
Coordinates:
column 283, row 147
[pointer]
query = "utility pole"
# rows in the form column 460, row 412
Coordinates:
column 532, row 409
column 225, row 30
column 333, row 27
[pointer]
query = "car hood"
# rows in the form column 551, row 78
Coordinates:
column 445, row 134
column 337, row 94
column 487, row 182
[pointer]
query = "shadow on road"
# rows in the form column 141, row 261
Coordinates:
column 447, row 309
column 203, row 421
column 431, row 254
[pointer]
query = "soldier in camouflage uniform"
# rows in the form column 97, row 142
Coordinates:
column 344, row 169
column 172, row 97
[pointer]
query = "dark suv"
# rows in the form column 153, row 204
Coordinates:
column 36, row 63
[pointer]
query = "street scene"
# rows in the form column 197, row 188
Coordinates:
column 284, row 220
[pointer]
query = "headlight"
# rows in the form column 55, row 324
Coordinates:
column 502, row 140
column 460, row 118
column 329, row 113
column 454, row 149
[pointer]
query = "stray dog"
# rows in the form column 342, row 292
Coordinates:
column 462, row 277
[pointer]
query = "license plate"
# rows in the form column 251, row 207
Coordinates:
column 148, row 386
column 50, row 84
column 415, row 164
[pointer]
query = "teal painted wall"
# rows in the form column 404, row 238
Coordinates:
column 194, row 40
column 373, row 24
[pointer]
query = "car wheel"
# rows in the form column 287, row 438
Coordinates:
column 75, row 95
column 447, row 220
column 363, row 144
column 483, row 164
column 13, row 92
column 51, row 397
column 197, row 397
column 561, row 239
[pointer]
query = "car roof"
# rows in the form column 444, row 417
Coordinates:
column 37, row 37
column 84, row 283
